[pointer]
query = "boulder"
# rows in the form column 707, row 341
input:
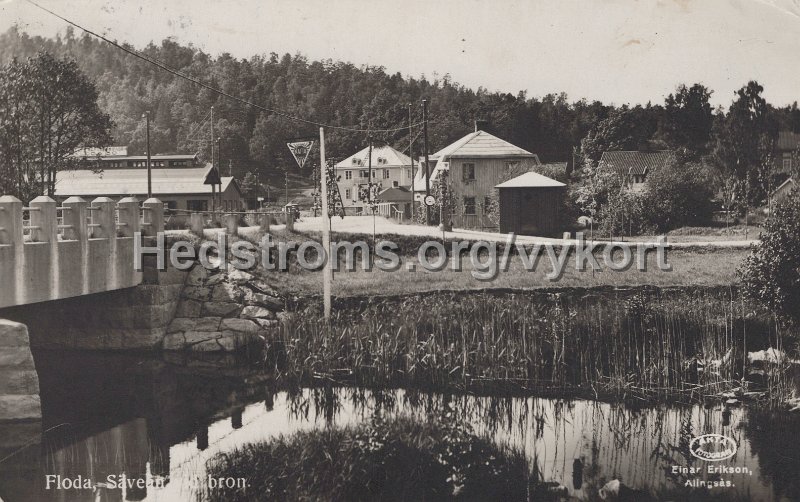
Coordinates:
column 237, row 276
column 225, row 292
column 200, row 293
column 189, row 308
column 221, row 309
column 194, row 324
column 240, row 325
column 253, row 312
column 197, row 276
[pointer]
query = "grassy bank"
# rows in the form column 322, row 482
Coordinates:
column 397, row 459
column 647, row 343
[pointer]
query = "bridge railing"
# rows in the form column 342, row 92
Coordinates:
column 49, row 252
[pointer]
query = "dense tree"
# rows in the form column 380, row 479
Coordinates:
column 678, row 195
column 48, row 108
column 625, row 129
column 744, row 143
column 688, row 119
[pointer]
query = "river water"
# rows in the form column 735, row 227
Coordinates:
column 160, row 420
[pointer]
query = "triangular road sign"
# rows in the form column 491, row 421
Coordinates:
column 300, row 151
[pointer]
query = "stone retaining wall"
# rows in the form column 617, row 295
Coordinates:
column 19, row 383
column 223, row 311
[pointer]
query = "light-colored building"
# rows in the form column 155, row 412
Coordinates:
column 390, row 169
column 186, row 188
column 476, row 163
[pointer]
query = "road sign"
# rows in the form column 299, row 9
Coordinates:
column 430, row 200
column 300, row 151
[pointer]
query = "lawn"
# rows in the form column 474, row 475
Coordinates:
column 697, row 267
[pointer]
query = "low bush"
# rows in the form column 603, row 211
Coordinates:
column 438, row 458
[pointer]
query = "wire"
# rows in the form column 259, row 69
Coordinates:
column 195, row 81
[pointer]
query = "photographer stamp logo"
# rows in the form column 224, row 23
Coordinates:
column 713, row 447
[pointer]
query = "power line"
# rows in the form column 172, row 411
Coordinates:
column 182, row 75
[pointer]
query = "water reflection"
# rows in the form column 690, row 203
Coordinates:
column 157, row 422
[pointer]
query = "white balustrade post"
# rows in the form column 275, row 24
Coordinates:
column 75, row 224
column 196, row 224
column 11, row 221
column 290, row 220
column 154, row 216
column 104, row 225
column 44, row 225
column 265, row 220
column 11, row 250
column 128, row 210
column 231, row 222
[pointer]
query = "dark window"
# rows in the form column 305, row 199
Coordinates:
column 197, row 205
column 170, row 204
column 468, row 171
column 469, row 205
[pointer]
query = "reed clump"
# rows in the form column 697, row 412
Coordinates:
column 641, row 343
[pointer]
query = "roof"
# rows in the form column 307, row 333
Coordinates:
column 784, row 186
column 637, row 163
column 475, row 145
column 788, row 140
column 84, row 182
column 382, row 156
column 530, row 180
column 481, row 144
column 396, row 194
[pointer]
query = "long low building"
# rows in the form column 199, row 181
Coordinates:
column 189, row 188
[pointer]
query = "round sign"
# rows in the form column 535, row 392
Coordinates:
column 430, row 200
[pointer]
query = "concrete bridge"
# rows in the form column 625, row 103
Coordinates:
column 50, row 252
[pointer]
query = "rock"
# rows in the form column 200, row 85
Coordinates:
column 268, row 323
column 257, row 313
column 262, row 287
column 174, row 341
column 615, row 490
column 200, row 293
column 215, row 279
column 194, row 324
column 770, row 355
column 253, row 298
column 240, row 325
column 197, row 276
column 189, row 308
column 225, row 292
column 237, row 276
column 221, row 309
column 732, row 402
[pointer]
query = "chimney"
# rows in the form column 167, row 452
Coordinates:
column 481, row 125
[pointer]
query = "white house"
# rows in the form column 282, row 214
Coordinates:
column 390, row 169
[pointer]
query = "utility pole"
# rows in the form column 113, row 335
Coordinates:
column 411, row 154
column 326, row 229
column 286, row 186
column 213, row 165
column 149, row 169
column 427, row 161
column 369, row 173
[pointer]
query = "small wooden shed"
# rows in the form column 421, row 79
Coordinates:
column 530, row 204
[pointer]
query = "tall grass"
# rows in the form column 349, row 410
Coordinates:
column 644, row 343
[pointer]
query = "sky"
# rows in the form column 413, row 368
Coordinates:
column 617, row 51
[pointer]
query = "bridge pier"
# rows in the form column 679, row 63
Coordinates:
column 19, row 383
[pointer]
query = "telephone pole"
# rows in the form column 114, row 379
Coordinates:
column 427, row 161
column 327, row 272
column 149, row 169
column 411, row 155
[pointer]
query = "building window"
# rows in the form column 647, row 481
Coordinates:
column 468, row 171
column 197, row 205
column 469, row 205
column 347, row 193
column 348, row 175
column 386, row 174
column 364, row 173
column 170, row 204
column 787, row 164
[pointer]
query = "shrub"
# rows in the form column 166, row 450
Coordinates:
column 395, row 459
column 678, row 195
column 771, row 274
